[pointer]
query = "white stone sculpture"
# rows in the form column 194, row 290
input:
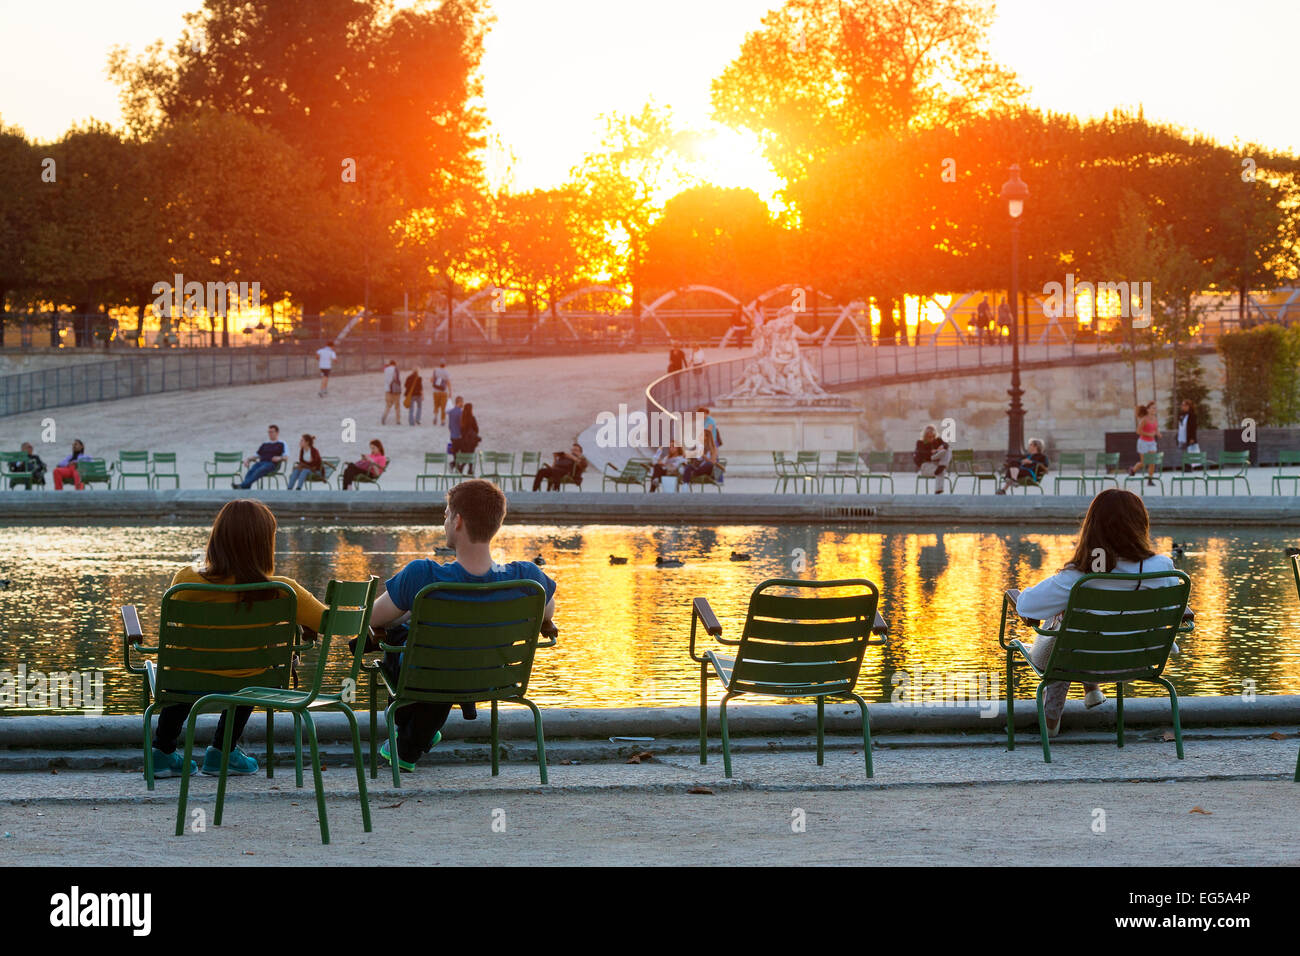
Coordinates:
column 778, row 368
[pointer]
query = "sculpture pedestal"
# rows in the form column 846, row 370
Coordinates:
column 753, row 428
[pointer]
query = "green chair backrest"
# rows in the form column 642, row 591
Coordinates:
column 328, row 467
column 497, row 461
column 847, row 459
column 347, row 615
column 1156, row 458
column 465, row 458
column 1071, row 459
column 804, row 644
column 1234, row 459
column 963, row 456
column 140, row 458
column 530, row 458
column 197, row 637
column 464, row 647
column 1287, row 457
column 1106, row 461
column 164, row 458
column 810, row 460
column 92, row 469
column 1124, row 634
column 634, row 470
column 880, row 461
column 227, row 458
column 433, row 459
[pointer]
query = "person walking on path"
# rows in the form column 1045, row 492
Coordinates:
column 676, row 359
column 66, row 470
column 1148, row 438
column 469, row 438
column 441, row 383
column 414, row 389
column 392, row 393
column 1187, row 428
column 453, row 423
column 267, row 459
column 309, row 463
column 326, row 356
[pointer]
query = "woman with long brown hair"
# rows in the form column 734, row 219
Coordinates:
column 1115, row 537
column 241, row 550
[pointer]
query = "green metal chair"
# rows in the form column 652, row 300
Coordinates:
column 965, row 465
column 132, row 464
column 1105, row 636
column 163, row 465
column 1192, row 460
column 793, row 645
column 347, row 615
column 1077, row 460
column 94, row 471
column 527, row 460
column 1238, row 462
column 463, row 463
column 1104, row 464
column 462, row 649
column 809, row 463
column 437, row 468
column 13, row 478
column 788, row 472
column 1287, row 459
column 329, row 469
column 880, row 467
column 497, row 466
column 847, row 466
column 1149, row 458
column 1293, row 556
column 633, row 474
column 365, row 478
column 225, row 465
column 710, row 480
column 195, row 639
column 1028, row 479
column 275, row 477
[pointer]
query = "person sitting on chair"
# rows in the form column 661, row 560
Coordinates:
column 475, row 510
column 1115, row 538
column 241, row 550
column 1031, row 467
column 32, row 466
column 932, row 457
column 570, row 464
column 372, row 465
column 269, row 455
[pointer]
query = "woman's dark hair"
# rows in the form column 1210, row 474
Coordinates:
column 309, row 439
column 1115, row 528
column 241, row 547
column 467, row 417
column 375, row 442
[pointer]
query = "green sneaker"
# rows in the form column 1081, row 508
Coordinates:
column 437, row 738
column 405, row 766
column 169, row 765
column 241, row 764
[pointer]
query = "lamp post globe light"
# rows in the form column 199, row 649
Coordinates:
column 1015, row 192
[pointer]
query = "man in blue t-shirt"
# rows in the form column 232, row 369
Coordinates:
column 269, row 455
column 475, row 510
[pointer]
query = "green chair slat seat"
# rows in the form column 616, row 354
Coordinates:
column 365, row 478
column 808, row 643
column 14, row 478
column 94, row 471
column 437, row 469
column 1192, row 460
column 1149, row 458
column 1287, row 458
column 789, row 472
column 132, row 464
column 497, row 467
column 1104, row 466
column 527, row 460
column 1104, row 636
column 846, row 467
column 162, row 464
column 633, row 474
column 224, row 466
column 880, row 466
column 966, row 465
column 1233, row 467
column 1071, row 460
column 329, row 470
column 464, row 645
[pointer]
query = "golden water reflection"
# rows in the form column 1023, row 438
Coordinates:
column 623, row 629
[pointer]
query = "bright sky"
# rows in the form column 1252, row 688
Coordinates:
column 552, row 66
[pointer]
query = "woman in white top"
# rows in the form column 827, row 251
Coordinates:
column 1115, row 537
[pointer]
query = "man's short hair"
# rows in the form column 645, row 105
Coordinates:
column 276, row 427
column 481, row 505
column 459, row 399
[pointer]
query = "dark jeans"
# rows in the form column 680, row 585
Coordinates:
column 703, row 467
column 551, row 474
column 350, row 474
column 259, row 469
column 416, row 722
column 171, row 721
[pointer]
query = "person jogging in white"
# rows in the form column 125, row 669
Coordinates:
column 326, row 355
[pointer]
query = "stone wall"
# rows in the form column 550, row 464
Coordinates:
column 1070, row 407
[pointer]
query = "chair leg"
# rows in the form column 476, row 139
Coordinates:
column 320, row 784
column 297, row 749
column 541, row 740
column 866, row 733
column 1011, row 702
column 374, row 728
column 704, row 715
column 1173, row 706
column 148, row 747
column 1119, row 713
column 1042, row 723
column 726, row 740
column 270, row 742
column 496, row 746
column 821, row 731
column 392, row 744
column 226, row 746
column 185, row 774
column 361, row 764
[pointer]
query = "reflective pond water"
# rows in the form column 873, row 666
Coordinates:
column 623, row 628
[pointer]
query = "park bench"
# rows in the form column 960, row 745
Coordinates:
column 1105, row 636
column 464, row 645
column 793, row 645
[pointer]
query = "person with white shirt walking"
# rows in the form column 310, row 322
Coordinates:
column 326, row 356
column 392, row 393
column 441, row 383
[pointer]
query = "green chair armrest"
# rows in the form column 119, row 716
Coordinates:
column 702, row 613
column 879, row 628
column 132, row 636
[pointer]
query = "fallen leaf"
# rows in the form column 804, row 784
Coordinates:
column 54, row 771
column 642, row 757
column 1200, row 810
column 700, row 790
column 566, row 763
column 1168, row 735
column 392, row 806
column 249, row 853
column 1277, row 735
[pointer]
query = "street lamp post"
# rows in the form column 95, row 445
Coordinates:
column 1015, row 192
